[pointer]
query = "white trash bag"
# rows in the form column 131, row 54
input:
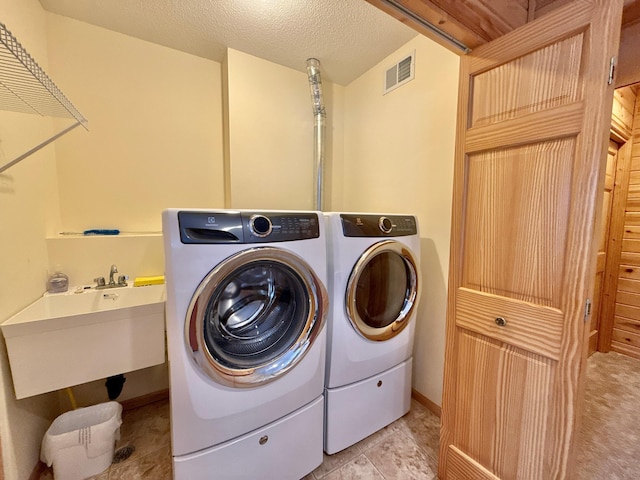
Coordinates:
column 80, row 443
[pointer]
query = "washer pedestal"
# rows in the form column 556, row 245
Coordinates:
column 286, row 449
column 355, row 411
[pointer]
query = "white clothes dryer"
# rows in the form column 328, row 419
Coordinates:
column 245, row 316
column 374, row 286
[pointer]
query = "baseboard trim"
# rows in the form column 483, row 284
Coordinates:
column 420, row 398
column 146, row 399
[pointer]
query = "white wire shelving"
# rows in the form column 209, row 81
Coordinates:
column 26, row 88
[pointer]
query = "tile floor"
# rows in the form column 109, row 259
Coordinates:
column 407, row 449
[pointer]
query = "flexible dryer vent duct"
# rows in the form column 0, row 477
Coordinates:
column 319, row 114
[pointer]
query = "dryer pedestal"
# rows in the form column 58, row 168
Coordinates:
column 355, row 411
column 287, row 449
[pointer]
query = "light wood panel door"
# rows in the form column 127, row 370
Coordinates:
column 607, row 202
column 534, row 112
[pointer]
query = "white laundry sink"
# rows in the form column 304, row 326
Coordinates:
column 70, row 338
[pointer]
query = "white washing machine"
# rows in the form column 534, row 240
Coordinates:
column 245, row 314
column 374, row 286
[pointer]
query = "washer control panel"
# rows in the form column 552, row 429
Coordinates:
column 260, row 226
column 198, row 227
column 371, row 225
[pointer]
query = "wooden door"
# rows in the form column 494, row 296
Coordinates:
column 607, row 201
column 533, row 116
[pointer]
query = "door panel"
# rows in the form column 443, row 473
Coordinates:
column 491, row 102
column 533, row 117
column 531, row 327
column 530, row 183
column 506, row 412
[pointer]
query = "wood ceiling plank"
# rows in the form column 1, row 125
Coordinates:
column 427, row 11
column 488, row 19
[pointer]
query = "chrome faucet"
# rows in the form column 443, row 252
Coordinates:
column 101, row 283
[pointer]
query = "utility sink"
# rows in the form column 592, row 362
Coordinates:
column 85, row 334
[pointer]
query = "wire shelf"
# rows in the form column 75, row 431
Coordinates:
column 25, row 87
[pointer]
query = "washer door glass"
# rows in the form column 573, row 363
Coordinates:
column 383, row 290
column 255, row 316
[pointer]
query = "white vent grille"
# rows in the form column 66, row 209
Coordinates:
column 400, row 73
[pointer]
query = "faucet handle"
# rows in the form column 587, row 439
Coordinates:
column 100, row 281
column 122, row 280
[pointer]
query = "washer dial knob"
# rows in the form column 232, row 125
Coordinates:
column 260, row 225
column 385, row 225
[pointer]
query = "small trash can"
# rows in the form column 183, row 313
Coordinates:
column 80, row 443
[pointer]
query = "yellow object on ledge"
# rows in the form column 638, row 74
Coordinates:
column 144, row 281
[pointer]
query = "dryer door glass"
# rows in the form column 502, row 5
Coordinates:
column 255, row 316
column 382, row 291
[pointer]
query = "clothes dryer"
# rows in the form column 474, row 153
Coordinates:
column 374, row 286
column 245, row 315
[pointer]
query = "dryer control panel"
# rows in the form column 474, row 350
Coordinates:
column 246, row 226
column 371, row 225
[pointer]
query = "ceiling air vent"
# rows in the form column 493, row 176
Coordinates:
column 400, row 73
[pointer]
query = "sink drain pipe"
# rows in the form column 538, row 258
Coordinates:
column 114, row 386
column 319, row 115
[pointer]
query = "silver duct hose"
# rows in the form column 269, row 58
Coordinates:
column 319, row 115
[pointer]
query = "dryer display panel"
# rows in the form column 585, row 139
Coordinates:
column 383, row 290
column 367, row 225
column 255, row 316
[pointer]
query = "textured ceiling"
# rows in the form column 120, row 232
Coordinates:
column 347, row 36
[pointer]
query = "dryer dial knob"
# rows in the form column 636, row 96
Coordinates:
column 385, row 225
column 260, row 226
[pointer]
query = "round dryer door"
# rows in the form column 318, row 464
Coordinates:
column 255, row 316
column 383, row 290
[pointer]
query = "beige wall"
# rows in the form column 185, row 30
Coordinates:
column 399, row 149
column 269, row 119
column 29, row 211
column 155, row 129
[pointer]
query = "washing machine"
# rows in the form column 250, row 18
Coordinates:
column 374, row 286
column 245, row 318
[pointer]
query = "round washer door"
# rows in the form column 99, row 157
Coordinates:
column 383, row 290
column 255, row 316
